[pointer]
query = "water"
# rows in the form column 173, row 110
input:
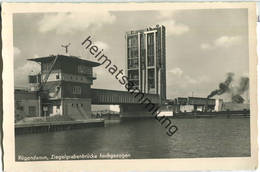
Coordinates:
column 146, row 138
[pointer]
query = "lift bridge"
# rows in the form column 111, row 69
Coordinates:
column 131, row 104
column 103, row 96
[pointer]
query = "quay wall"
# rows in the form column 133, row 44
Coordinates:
column 56, row 126
column 135, row 111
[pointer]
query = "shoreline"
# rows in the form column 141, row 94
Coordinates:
column 30, row 128
column 53, row 126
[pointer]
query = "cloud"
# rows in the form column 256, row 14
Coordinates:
column 177, row 76
column 174, row 28
column 100, row 71
column 185, row 84
column 245, row 74
column 21, row 73
column 189, row 80
column 105, row 80
column 226, row 41
column 195, row 80
column 17, row 51
column 205, row 46
column 64, row 23
column 166, row 14
column 223, row 41
column 102, row 45
column 29, row 67
column 35, row 56
column 176, row 71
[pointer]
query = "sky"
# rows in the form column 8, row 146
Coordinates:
column 202, row 46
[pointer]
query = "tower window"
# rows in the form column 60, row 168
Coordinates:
column 57, row 76
column 76, row 90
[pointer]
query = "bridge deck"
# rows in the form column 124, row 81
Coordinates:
column 102, row 96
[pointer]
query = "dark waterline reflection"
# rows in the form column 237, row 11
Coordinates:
column 146, row 138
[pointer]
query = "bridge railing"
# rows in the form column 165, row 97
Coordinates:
column 102, row 96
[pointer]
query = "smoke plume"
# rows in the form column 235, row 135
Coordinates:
column 243, row 85
column 237, row 99
column 223, row 86
column 238, row 91
column 235, row 92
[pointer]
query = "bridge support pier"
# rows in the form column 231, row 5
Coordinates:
column 137, row 111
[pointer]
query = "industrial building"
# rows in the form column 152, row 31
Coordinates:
column 200, row 104
column 194, row 104
column 26, row 104
column 145, row 53
column 61, row 88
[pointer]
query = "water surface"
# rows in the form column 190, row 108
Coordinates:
column 146, row 138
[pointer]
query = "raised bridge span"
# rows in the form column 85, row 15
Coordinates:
column 130, row 106
column 103, row 96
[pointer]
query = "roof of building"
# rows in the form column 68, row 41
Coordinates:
column 202, row 98
column 144, row 30
column 65, row 57
column 22, row 94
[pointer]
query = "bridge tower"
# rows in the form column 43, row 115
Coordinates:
column 67, row 88
column 146, row 61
